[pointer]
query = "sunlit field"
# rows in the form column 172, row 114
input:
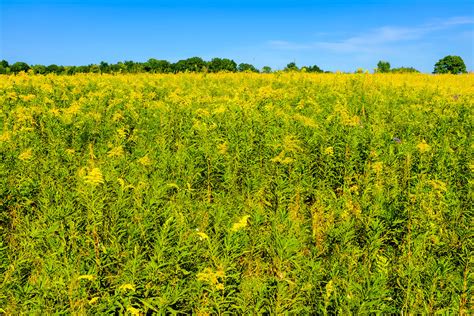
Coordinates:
column 236, row 193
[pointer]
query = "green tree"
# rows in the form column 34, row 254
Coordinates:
column 19, row 66
column 157, row 66
column 130, row 66
column 246, row 67
column 39, row 69
column 193, row 64
column 291, row 67
column 3, row 67
column 314, row 68
column 70, row 70
column 104, row 67
column 266, row 69
column 163, row 66
column 450, row 65
column 83, row 69
column 52, row 69
column 383, row 66
column 222, row 64
column 118, row 67
column 94, row 68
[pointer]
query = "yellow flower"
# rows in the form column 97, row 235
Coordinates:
column 54, row 112
column 88, row 277
column 306, row 121
column 121, row 182
column 214, row 278
column 5, row 136
column 28, row 97
column 117, row 117
column 423, row 147
column 94, row 177
column 115, row 152
column 329, row 289
column 24, row 115
column 242, row 223
column 75, row 108
column 121, row 132
column 281, row 158
column 202, row 112
column 222, row 148
column 329, row 151
column 438, row 185
column 202, row 236
column 377, row 167
column 219, row 110
column 355, row 189
column 127, row 286
column 291, row 144
column 134, row 311
column 26, row 155
column 145, row 161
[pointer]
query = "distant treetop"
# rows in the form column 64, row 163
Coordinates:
column 450, row 65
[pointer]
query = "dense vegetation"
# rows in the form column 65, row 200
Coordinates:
column 193, row 64
column 450, row 65
column 247, row 193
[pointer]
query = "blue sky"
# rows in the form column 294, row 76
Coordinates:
column 335, row 35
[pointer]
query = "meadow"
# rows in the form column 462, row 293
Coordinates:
column 236, row 193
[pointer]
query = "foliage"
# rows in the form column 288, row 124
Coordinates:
column 383, row 66
column 313, row 68
column 291, row 67
column 19, row 66
column 404, row 70
column 4, row 65
column 291, row 193
column 450, row 64
column 246, row 67
column 158, row 66
column 222, row 64
column 266, row 69
column 193, row 64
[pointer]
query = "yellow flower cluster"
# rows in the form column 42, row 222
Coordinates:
column 215, row 278
column 94, row 177
column 242, row 223
column 423, row 147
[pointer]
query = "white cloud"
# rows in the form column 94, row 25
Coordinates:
column 374, row 40
column 459, row 20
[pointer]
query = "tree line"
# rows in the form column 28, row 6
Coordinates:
column 448, row 64
column 152, row 65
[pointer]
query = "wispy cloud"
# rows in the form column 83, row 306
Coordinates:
column 374, row 39
column 458, row 21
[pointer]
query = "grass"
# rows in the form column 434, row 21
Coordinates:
column 236, row 193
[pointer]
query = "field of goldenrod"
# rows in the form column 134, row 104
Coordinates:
column 243, row 193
